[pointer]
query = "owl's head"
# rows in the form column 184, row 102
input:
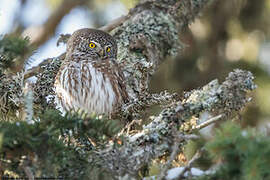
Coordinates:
column 92, row 42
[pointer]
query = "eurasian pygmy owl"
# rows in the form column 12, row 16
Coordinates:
column 89, row 78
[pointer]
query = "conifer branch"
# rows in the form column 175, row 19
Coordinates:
column 157, row 137
column 209, row 121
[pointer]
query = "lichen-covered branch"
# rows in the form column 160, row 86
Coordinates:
column 157, row 137
column 146, row 36
column 150, row 35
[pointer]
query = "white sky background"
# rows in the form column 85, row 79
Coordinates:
column 36, row 12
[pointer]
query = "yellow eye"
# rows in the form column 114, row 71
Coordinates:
column 92, row 45
column 108, row 49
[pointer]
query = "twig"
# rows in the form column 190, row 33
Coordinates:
column 63, row 39
column 209, row 121
column 175, row 151
column 189, row 136
column 129, row 126
column 190, row 163
column 115, row 23
column 28, row 172
column 91, row 141
column 172, row 157
column 32, row 72
column 37, row 69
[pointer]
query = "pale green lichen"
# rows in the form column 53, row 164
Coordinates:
column 207, row 95
column 160, row 31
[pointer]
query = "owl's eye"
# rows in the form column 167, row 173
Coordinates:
column 92, row 45
column 108, row 49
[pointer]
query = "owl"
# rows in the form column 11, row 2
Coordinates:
column 89, row 79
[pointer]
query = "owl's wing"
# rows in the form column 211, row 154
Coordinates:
column 110, row 68
column 122, row 83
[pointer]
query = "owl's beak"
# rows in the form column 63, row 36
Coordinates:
column 101, row 53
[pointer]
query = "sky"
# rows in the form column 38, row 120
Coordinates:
column 36, row 13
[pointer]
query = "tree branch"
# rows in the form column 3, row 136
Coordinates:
column 115, row 23
column 175, row 150
column 190, row 163
column 157, row 137
column 209, row 121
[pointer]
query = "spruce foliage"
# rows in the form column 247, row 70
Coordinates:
column 55, row 146
column 11, row 47
column 241, row 154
